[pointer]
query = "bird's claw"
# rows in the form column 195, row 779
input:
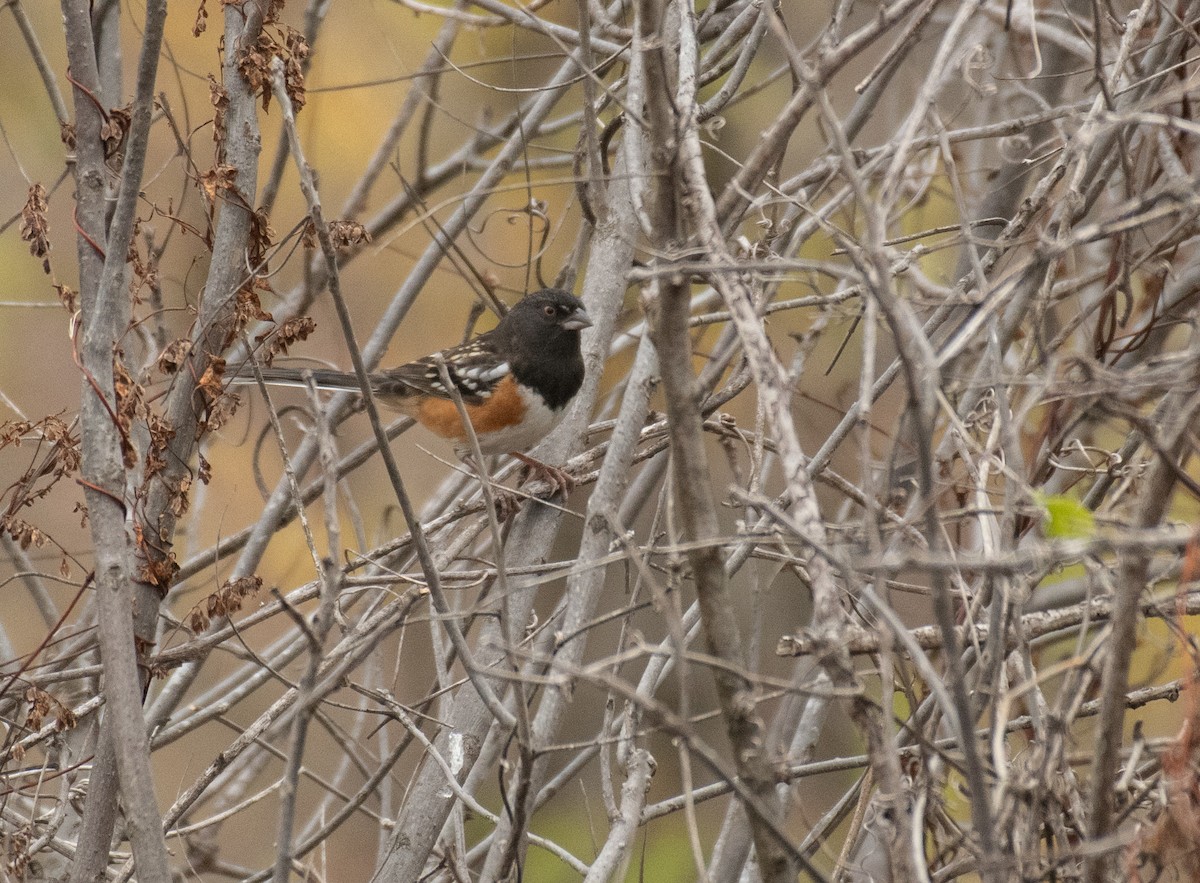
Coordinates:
column 507, row 503
column 560, row 480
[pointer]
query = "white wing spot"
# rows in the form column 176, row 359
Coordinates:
column 495, row 372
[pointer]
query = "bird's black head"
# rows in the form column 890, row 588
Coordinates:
column 540, row 335
column 549, row 309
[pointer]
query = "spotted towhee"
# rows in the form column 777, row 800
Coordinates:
column 515, row 381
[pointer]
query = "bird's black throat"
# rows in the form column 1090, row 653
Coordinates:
column 554, row 367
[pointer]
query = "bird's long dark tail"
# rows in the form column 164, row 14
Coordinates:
column 324, row 378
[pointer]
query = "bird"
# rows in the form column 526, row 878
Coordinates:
column 515, row 381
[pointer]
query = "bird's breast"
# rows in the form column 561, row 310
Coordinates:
column 512, row 418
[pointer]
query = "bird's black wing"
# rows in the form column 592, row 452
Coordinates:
column 475, row 368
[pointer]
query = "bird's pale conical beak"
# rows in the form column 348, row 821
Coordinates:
column 578, row 319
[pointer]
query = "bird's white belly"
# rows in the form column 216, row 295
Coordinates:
column 539, row 419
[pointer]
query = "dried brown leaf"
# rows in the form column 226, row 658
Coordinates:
column 347, row 234
column 262, row 240
column 220, row 102
column 69, row 297
column 225, row 601
column 160, row 572
column 217, row 180
column 280, row 338
column 35, row 229
column 254, row 64
column 173, row 356
column 115, row 130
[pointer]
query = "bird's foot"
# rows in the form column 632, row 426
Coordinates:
column 560, row 481
column 508, row 503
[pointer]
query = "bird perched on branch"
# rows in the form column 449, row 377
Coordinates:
column 515, row 381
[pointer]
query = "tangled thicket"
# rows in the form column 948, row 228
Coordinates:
column 880, row 567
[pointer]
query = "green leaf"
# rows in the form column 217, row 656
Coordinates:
column 1066, row 518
